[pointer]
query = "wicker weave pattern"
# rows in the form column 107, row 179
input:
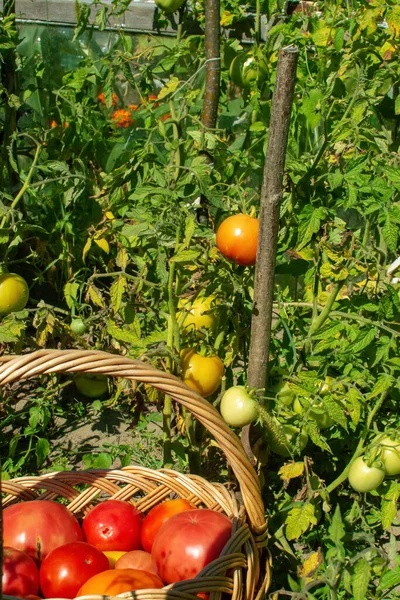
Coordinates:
column 237, row 571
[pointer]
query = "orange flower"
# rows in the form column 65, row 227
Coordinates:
column 153, row 98
column 66, row 125
column 122, row 118
column 133, row 107
column 102, row 99
column 165, row 117
column 53, row 124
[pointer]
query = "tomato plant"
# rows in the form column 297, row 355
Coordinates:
column 20, row 575
column 188, row 541
column 201, row 313
column 14, row 293
column 248, row 69
column 318, row 412
column 113, row 525
column 157, row 516
column 365, row 478
column 39, row 526
column 296, row 439
column 78, row 326
column 390, row 453
column 237, row 239
column 284, row 393
column 201, row 373
column 237, row 407
column 169, row 6
column 90, row 385
column 117, row 581
column 68, row 567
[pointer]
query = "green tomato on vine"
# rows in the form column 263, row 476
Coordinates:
column 169, row 6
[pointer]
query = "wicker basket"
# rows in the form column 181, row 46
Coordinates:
column 243, row 569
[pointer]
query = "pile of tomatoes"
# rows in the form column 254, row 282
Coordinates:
column 48, row 553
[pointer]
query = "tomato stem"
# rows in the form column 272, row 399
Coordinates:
column 360, row 446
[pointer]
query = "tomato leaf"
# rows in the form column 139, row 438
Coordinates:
column 360, row 579
column 299, row 520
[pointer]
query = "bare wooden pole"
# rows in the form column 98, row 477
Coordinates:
column 271, row 195
column 213, row 66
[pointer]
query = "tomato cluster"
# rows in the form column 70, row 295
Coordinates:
column 116, row 548
column 382, row 459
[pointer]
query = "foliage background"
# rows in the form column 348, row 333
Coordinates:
column 103, row 221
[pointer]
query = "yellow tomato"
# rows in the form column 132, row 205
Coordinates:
column 14, row 293
column 113, row 556
column 201, row 373
column 201, row 313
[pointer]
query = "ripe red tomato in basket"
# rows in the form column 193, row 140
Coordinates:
column 20, row 573
column 113, row 582
column 39, row 526
column 189, row 541
column 113, row 525
column 157, row 516
column 237, row 239
column 68, row 567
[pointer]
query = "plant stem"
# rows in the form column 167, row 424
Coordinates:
column 123, row 274
column 23, row 189
column 324, row 314
column 358, row 451
column 258, row 22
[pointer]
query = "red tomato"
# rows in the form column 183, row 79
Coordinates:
column 113, row 582
column 156, row 517
column 187, row 542
column 237, row 239
column 20, row 573
column 136, row 559
column 68, row 567
column 113, row 525
column 39, row 526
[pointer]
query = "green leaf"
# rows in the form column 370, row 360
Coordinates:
column 390, row 234
column 336, row 528
column 384, row 383
column 313, row 431
column 124, row 335
column 360, row 579
column 390, row 579
column 41, row 450
column 299, row 520
column 354, row 404
column 190, row 228
column 312, row 107
column 71, row 293
column 364, row 338
column 338, row 39
column 389, row 504
column 185, row 256
column 116, row 292
column 397, row 105
column 335, row 411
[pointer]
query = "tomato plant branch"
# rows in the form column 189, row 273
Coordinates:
column 324, row 314
column 271, row 194
column 23, row 189
column 123, row 274
column 360, row 446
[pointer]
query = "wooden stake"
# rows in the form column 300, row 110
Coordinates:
column 271, row 195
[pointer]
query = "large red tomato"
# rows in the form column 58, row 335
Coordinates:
column 20, row 573
column 156, row 517
column 39, row 526
column 187, row 542
column 113, row 525
column 237, row 239
column 113, row 582
column 136, row 559
column 68, row 567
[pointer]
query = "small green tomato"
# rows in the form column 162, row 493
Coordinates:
column 237, row 407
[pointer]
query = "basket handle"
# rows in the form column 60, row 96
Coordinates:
column 15, row 368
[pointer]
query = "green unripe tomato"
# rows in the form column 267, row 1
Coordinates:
column 291, row 433
column 78, row 326
column 247, row 69
column 318, row 413
column 390, row 455
column 14, row 293
column 284, row 393
column 169, row 6
column 237, row 407
column 363, row 478
column 91, row 385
